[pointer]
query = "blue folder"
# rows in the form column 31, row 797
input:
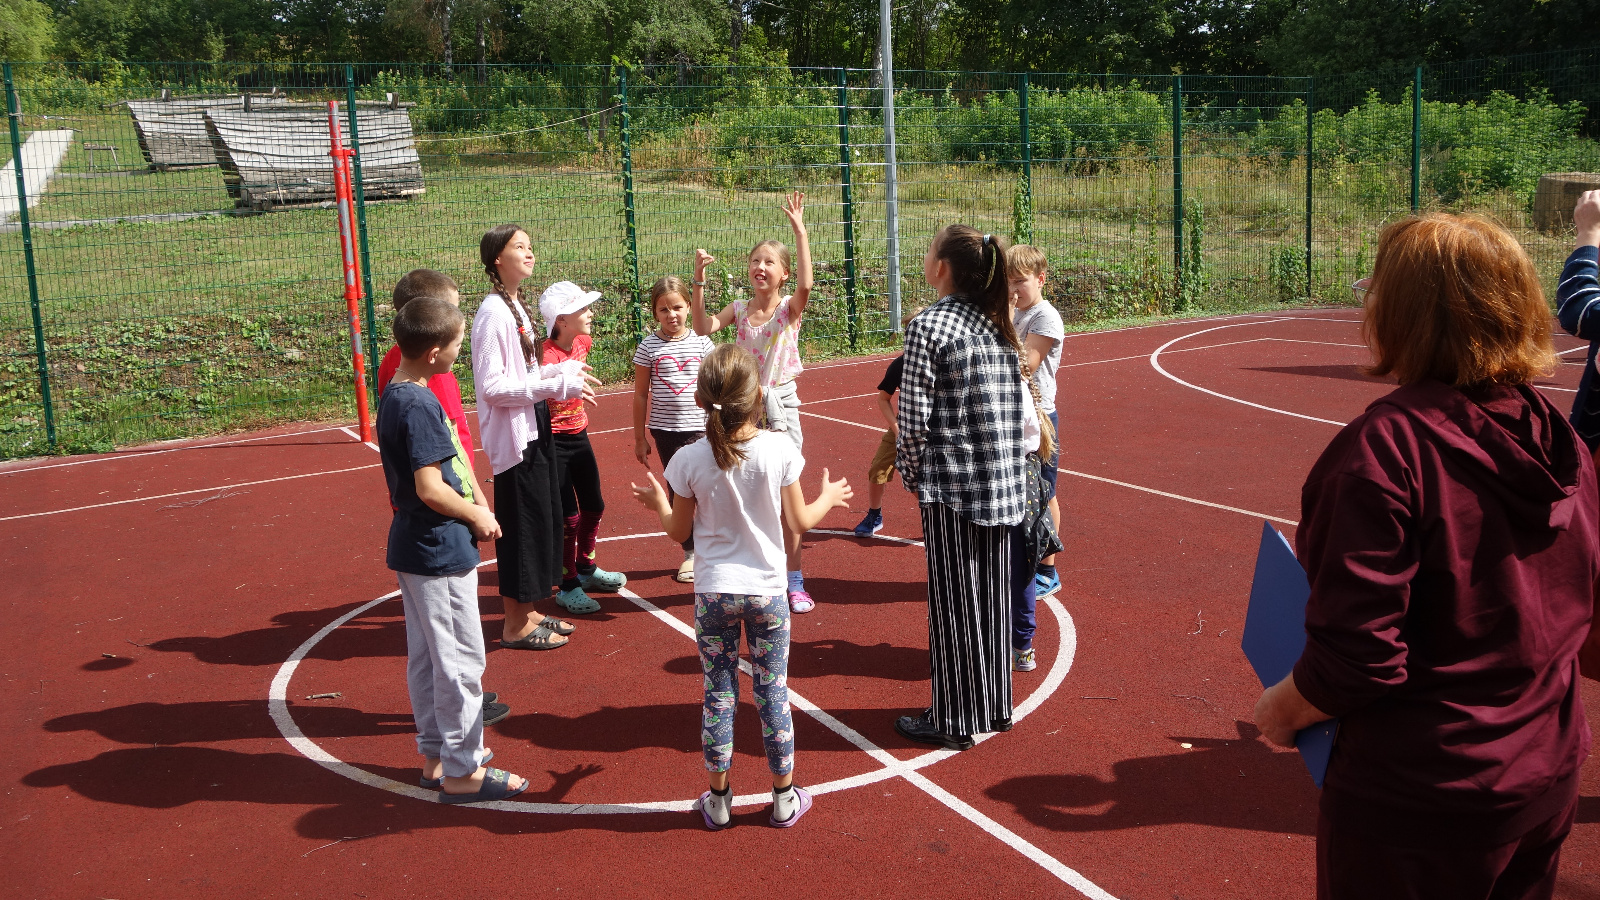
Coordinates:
column 1275, row 635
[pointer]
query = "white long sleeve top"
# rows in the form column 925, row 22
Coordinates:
column 507, row 390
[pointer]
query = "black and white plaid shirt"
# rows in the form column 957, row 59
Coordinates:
column 961, row 415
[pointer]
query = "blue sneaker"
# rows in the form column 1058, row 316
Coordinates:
column 871, row 525
column 1045, row 585
column 601, row 580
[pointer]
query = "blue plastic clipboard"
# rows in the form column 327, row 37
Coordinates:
column 1275, row 635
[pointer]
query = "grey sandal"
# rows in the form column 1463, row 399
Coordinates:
column 559, row 626
column 541, row 638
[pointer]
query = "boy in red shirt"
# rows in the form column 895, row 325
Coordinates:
column 430, row 283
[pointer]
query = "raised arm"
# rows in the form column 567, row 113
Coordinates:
column 794, row 206
column 704, row 323
column 1578, row 292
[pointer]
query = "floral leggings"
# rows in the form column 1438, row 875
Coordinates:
column 717, row 621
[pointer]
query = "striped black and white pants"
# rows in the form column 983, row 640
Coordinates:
column 969, row 616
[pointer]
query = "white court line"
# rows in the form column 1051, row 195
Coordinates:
column 217, row 488
column 1136, row 487
column 133, row 454
column 1551, row 387
column 358, row 439
column 1095, row 362
column 278, row 708
column 1572, row 349
column 1155, row 363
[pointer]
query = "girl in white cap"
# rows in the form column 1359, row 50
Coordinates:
column 568, row 312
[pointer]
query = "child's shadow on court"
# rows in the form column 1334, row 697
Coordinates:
column 171, row 777
column 1235, row 783
column 378, row 632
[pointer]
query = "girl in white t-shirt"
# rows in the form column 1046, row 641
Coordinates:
column 733, row 492
column 768, row 325
column 514, row 425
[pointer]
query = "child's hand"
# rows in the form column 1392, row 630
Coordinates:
column 485, row 527
column 702, row 261
column 794, row 206
column 1586, row 218
column 641, row 451
column 589, row 384
column 651, row 496
column 835, row 493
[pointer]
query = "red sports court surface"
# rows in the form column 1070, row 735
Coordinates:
column 171, row 609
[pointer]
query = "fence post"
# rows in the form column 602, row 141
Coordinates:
column 13, row 115
column 631, row 235
column 1311, row 103
column 1416, row 140
column 361, row 230
column 849, row 206
column 1177, row 183
column 1027, row 158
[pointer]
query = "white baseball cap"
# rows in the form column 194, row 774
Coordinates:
column 563, row 298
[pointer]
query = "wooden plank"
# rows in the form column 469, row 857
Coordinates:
column 172, row 133
column 279, row 156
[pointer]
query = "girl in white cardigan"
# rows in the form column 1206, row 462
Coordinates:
column 514, row 425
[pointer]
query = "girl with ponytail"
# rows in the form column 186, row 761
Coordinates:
column 962, row 450
column 735, row 491
column 514, row 426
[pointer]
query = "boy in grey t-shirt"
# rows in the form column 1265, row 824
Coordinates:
column 1041, row 331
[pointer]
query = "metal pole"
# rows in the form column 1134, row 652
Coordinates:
column 1416, row 140
column 849, row 206
column 631, row 236
column 1177, row 181
column 892, row 201
column 361, row 224
column 352, row 267
column 1027, row 157
column 1311, row 104
column 13, row 116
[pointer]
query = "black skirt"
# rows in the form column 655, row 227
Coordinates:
column 527, row 502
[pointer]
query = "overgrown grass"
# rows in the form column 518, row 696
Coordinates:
column 156, row 328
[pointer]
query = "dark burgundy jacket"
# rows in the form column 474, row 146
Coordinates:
column 1451, row 544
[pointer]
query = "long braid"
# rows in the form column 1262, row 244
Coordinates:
column 532, row 344
column 1047, row 434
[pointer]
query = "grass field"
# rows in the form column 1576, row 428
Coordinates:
column 166, row 314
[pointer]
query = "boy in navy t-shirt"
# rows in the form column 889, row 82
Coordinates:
column 433, row 552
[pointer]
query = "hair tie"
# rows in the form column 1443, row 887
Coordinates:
column 717, row 406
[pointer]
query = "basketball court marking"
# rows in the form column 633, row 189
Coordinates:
column 1103, row 479
column 890, row 766
column 204, row 490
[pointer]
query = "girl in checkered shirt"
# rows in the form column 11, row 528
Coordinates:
column 768, row 325
column 962, row 450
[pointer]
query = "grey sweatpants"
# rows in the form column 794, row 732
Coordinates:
column 444, row 667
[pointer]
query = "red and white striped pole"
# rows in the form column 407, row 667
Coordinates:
column 352, row 263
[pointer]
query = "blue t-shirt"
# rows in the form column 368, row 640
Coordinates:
column 413, row 432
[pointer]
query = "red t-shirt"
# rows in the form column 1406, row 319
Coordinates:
column 443, row 385
column 568, row 416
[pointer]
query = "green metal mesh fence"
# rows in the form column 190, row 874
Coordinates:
column 178, row 272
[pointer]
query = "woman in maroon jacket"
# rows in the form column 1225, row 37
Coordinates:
column 1449, row 534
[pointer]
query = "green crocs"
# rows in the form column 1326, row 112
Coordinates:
column 577, row 602
column 601, row 580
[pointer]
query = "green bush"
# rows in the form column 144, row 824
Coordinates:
column 1085, row 128
column 1502, row 143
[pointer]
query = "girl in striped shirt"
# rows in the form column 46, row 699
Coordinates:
column 664, row 371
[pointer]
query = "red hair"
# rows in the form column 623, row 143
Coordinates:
column 1455, row 298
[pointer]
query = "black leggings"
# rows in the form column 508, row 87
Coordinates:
column 579, row 474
